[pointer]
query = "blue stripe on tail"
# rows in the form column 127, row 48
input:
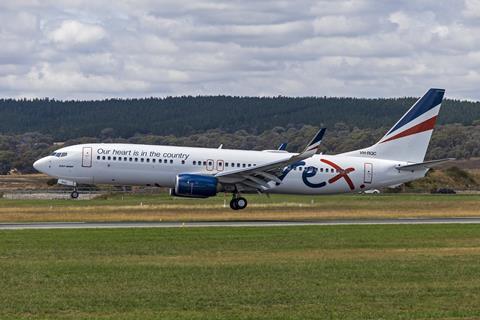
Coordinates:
column 431, row 99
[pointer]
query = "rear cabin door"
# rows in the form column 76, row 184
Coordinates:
column 87, row 157
column 368, row 173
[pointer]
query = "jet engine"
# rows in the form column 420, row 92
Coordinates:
column 195, row 186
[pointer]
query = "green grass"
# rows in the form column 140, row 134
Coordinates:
column 342, row 272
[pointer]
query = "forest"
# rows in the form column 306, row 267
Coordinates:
column 184, row 116
column 30, row 129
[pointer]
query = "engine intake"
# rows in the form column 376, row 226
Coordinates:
column 195, row 186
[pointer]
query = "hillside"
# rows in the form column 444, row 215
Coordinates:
column 183, row 116
column 29, row 128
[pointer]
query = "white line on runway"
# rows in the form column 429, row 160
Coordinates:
column 260, row 223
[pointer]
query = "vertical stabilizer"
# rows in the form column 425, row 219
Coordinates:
column 408, row 139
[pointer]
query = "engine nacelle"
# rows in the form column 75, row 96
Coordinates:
column 195, row 186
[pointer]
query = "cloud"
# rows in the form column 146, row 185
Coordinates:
column 84, row 49
column 73, row 33
column 472, row 9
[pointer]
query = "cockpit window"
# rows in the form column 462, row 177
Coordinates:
column 58, row 154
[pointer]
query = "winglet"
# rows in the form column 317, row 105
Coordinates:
column 315, row 143
column 282, row 147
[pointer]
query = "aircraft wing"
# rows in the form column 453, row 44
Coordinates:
column 259, row 177
column 424, row 165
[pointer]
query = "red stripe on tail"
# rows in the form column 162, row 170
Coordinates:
column 421, row 127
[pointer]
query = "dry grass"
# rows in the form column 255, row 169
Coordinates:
column 392, row 206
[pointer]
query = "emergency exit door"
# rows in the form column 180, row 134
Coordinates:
column 368, row 173
column 87, row 157
column 220, row 165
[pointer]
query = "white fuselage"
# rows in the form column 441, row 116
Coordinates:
column 133, row 164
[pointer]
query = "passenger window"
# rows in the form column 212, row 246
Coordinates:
column 226, row 164
column 130, row 159
column 148, row 159
column 98, row 157
column 204, row 163
column 136, row 159
column 183, row 161
column 249, row 165
column 194, row 162
column 164, row 160
column 171, row 161
column 153, row 160
column 238, row 165
column 141, row 159
column 103, row 158
column 243, row 165
column 114, row 158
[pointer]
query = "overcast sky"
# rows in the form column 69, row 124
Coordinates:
column 134, row 48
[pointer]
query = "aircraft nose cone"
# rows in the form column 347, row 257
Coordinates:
column 41, row 165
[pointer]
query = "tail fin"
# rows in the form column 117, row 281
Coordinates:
column 408, row 139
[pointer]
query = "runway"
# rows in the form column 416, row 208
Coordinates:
column 233, row 224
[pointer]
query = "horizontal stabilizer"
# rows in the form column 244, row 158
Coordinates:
column 424, row 165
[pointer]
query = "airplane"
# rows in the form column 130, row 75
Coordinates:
column 398, row 157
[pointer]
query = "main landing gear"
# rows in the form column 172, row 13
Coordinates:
column 238, row 202
column 74, row 194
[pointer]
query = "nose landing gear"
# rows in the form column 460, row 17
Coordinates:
column 238, row 202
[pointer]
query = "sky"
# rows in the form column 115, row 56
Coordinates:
column 81, row 49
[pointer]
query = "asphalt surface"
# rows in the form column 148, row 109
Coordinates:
column 255, row 223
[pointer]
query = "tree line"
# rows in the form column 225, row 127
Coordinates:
column 186, row 116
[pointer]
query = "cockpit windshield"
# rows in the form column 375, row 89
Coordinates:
column 59, row 154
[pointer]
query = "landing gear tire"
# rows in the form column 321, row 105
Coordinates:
column 74, row 194
column 238, row 203
column 241, row 203
column 233, row 204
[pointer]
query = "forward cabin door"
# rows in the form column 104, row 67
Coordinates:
column 87, row 157
column 368, row 173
